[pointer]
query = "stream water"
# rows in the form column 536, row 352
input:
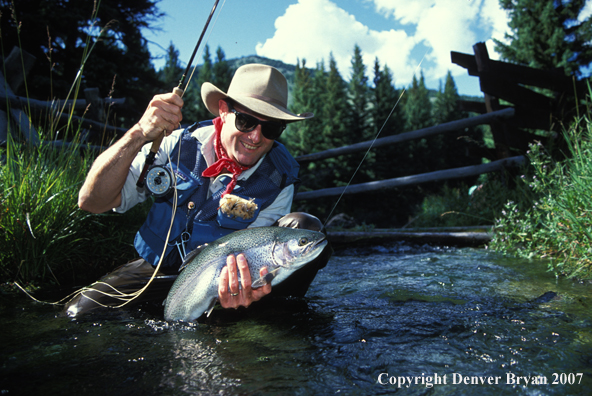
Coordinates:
column 411, row 320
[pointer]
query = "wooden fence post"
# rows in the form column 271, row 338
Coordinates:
column 96, row 105
column 14, row 67
column 23, row 122
column 499, row 129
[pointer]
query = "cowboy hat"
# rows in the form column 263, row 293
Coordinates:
column 259, row 88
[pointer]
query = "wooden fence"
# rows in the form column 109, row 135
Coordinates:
column 526, row 110
column 22, row 111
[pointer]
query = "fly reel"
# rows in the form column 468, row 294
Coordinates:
column 159, row 181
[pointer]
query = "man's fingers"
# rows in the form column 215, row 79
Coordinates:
column 163, row 114
column 243, row 267
column 230, row 294
column 223, row 285
column 232, row 275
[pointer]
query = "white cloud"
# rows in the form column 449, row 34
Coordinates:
column 404, row 11
column 448, row 25
column 312, row 29
column 586, row 11
column 493, row 16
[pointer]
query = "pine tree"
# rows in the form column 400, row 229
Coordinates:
column 172, row 70
column 418, row 107
column 547, row 34
column 304, row 137
column 194, row 106
column 327, row 129
column 387, row 118
column 421, row 154
column 221, row 73
column 359, row 95
column 456, row 146
column 336, row 131
column 384, row 101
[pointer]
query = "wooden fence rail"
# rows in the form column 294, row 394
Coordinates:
column 21, row 103
column 511, row 124
column 19, row 107
column 406, row 136
column 448, row 174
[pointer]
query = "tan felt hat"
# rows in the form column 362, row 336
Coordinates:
column 260, row 88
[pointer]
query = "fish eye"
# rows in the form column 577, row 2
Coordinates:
column 302, row 241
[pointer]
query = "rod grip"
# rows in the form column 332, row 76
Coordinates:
column 178, row 91
column 154, row 147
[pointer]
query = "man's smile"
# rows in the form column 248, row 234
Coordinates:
column 248, row 146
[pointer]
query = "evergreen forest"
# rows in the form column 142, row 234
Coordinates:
column 359, row 106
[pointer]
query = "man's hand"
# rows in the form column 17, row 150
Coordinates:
column 102, row 188
column 229, row 293
column 162, row 114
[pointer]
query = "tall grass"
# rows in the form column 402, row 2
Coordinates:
column 42, row 227
column 557, row 222
column 44, row 236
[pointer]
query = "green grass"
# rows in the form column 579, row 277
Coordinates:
column 555, row 221
column 467, row 206
column 44, row 237
column 39, row 217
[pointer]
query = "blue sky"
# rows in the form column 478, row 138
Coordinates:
column 399, row 32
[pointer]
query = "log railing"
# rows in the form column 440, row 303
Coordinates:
column 511, row 123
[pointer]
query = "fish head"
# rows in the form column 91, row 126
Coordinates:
column 294, row 248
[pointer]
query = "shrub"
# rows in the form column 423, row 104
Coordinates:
column 556, row 223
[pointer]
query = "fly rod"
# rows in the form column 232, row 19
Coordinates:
column 178, row 90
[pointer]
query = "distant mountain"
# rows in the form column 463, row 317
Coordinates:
column 287, row 70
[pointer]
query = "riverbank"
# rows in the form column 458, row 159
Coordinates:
column 475, row 236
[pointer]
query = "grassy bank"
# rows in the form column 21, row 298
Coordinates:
column 555, row 220
column 44, row 236
column 546, row 212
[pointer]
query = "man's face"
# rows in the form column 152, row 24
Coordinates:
column 246, row 148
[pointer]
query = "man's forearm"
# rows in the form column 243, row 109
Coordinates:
column 102, row 188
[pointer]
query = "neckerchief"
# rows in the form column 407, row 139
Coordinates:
column 223, row 162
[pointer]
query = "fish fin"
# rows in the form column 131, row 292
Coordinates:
column 211, row 308
column 265, row 279
column 190, row 256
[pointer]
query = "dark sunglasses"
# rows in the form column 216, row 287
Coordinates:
column 246, row 123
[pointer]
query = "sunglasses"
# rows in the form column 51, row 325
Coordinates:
column 246, row 123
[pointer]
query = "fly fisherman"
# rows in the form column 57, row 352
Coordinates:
column 234, row 157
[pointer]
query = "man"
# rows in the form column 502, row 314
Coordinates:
column 235, row 155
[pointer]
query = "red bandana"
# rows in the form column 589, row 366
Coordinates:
column 224, row 162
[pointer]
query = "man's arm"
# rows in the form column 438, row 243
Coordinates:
column 102, row 188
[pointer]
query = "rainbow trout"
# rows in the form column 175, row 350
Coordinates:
column 282, row 250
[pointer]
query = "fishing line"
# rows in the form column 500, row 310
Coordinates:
column 131, row 296
column 207, row 39
column 137, row 293
column 372, row 144
column 127, row 297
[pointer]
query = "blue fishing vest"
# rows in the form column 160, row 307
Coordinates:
column 197, row 217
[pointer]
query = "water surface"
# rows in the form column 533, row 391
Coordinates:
column 371, row 316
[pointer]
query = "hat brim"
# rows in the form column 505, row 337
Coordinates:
column 211, row 95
